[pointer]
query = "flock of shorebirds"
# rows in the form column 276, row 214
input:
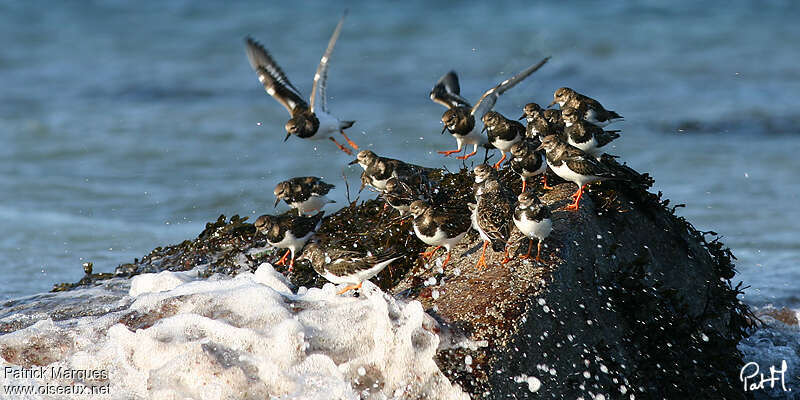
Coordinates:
column 570, row 141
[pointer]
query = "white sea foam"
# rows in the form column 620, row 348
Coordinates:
column 244, row 337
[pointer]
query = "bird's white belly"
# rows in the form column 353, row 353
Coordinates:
column 314, row 203
column 328, row 125
column 380, row 184
column 564, row 172
column 474, row 137
column 505, row 145
column 533, row 229
column 439, row 238
column 291, row 242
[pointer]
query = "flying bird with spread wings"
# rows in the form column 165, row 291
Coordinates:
column 460, row 116
column 307, row 121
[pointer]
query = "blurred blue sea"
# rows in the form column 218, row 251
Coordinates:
column 128, row 125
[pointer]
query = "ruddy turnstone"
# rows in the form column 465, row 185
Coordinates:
column 539, row 125
column 437, row 227
column 288, row 231
column 590, row 108
column 307, row 122
column 493, row 215
column 400, row 195
column 574, row 165
column 307, row 194
column 503, row 133
column 527, row 161
column 378, row 170
column 585, row 136
column 459, row 118
column 532, row 218
column 344, row 266
column 482, row 173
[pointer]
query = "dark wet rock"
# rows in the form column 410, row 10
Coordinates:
column 632, row 299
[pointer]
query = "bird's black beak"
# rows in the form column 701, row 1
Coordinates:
column 541, row 146
column 520, row 118
column 552, row 103
column 276, row 202
column 353, row 162
column 287, row 137
column 484, row 128
column 444, row 128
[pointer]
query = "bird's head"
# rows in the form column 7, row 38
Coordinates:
column 562, row 95
column 530, row 110
column 483, row 172
column 570, row 115
column 302, row 125
column 281, row 191
column 264, row 223
column 520, row 149
column 549, row 143
column 365, row 158
column 527, row 199
column 491, row 119
column 418, row 208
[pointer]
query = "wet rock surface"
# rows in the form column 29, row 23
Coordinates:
column 631, row 299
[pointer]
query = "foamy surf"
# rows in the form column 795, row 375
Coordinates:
column 245, row 337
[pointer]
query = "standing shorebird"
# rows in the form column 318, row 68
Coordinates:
column 378, row 170
column 306, row 122
column 399, row 195
column 307, row 194
column 527, row 161
column 482, row 174
column 532, row 218
column 344, row 266
column 590, row 109
column 574, row 165
column 439, row 228
column 539, row 125
column 584, row 135
column 493, row 215
column 288, row 231
column 503, row 133
column 460, row 116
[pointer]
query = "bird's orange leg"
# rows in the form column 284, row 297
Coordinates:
column 466, row 156
column 528, row 254
column 482, row 261
column 574, row 206
column 349, row 288
column 350, row 142
column 539, row 252
column 283, row 259
column 342, row 148
column 505, row 257
column 544, row 182
column 446, row 259
column 430, row 253
column 524, row 183
column 448, row 152
column 497, row 166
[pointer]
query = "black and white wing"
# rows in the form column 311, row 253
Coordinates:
column 448, row 93
column 487, row 101
column 272, row 77
column 586, row 165
column 321, row 77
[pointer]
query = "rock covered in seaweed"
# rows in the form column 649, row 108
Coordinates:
column 632, row 300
